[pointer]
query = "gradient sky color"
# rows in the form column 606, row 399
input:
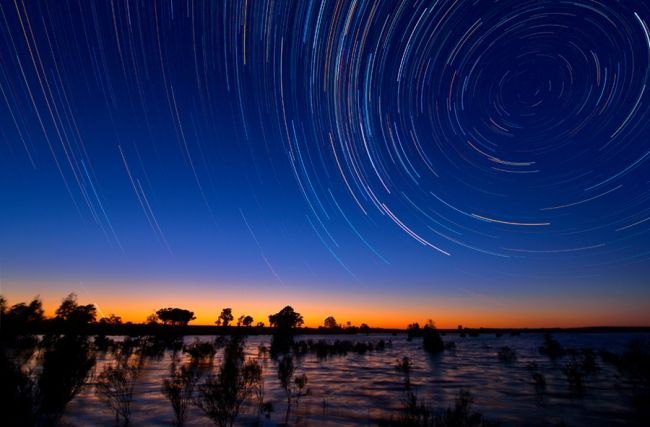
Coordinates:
column 482, row 163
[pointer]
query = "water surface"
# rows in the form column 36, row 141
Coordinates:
column 366, row 389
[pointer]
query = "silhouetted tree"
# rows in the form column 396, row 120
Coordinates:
column 330, row 323
column 152, row 319
column 260, row 324
column 364, row 328
column 413, row 330
column 284, row 322
column 22, row 313
column 431, row 339
column 286, row 319
column 225, row 317
column 175, row 316
column 74, row 314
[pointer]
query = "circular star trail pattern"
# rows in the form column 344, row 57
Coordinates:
column 509, row 130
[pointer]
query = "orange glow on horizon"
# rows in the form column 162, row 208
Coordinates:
column 135, row 303
column 206, row 314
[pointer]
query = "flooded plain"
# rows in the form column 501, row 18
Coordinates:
column 368, row 389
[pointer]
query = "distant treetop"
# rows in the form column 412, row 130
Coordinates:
column 175, row 316
column 286, row 319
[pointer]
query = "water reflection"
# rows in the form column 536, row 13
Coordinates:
column 366, row 388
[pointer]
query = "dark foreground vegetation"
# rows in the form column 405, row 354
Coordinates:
column 45, row 363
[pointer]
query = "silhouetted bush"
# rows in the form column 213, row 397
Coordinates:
column 115, row 383
column 221, row 396
column 154, row 347
column 284, row 323
column 405, row 367
column 462, row 414
column 413, row 330
column 551, row 347
column 201, row 352
column 285, row 373
column 301, row 382
column 415, row 412
column 178, row 389
column 431, row 339
column 67, row 361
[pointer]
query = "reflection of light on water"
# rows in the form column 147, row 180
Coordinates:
column 364, row 389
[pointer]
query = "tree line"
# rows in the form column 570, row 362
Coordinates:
column 25, row 317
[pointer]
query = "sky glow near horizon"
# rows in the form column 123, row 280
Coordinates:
column 441, row 159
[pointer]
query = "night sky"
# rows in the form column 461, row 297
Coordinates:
column 476, row 162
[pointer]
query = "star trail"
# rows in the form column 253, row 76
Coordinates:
column 489, row 151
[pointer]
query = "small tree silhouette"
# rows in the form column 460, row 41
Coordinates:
column 201, row 353
column 75, row 315
column 178, row 389
column 284, row 322
column 175, row 316
column 286, row 319
column 247, row 321
column 431, row 339
column 285, row 373
column 22, row 314
column 225, row 317
column 116, row 382
column 221, row 396
column 330, row 323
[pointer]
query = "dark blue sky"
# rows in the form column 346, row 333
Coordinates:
column 451, row 157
